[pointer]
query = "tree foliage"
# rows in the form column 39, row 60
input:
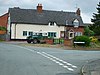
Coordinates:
column 96, row 21
column 88, row 32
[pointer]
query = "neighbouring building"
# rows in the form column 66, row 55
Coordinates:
column 3, row 23
column 4, row 20
column 57, row 24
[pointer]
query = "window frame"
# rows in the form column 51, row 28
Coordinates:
column 76, row 23
column 71, row 36
column 52, row 23
column 52, row 34
column 24, row 33
column 30, row 33
column 78, row 33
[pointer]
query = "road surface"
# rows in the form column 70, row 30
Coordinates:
column 28, row 60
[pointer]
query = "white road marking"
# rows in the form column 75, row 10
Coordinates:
column 68, row 68
column 73, row 66
column 60, row 60
column 53, row 58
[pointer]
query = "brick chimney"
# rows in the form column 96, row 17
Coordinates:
column 78, row 11
column 39, row 8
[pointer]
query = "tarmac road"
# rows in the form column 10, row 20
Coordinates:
column 28, row 60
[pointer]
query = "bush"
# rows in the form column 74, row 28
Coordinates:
column 93, row 39
column 2, row 28
column 58, row 41
column 82, row 39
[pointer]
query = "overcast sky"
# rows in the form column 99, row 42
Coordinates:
column 88, row 7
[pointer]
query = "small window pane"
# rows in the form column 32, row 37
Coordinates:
column 51, row 34
column 71, row 34
column 24, row 33
column 30, row 33
column 54, row 34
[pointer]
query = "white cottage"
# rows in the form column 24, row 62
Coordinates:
column 25, row 22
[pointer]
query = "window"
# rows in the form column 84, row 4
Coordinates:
column 52, row 23
column 30, row 33
column 52, row 34
column 24, row 33
column 71, row 35
column 76, row 23
column 78, row 33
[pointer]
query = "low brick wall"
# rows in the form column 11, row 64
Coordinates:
column 68, row 42
column 49, row 41
column 2, row 32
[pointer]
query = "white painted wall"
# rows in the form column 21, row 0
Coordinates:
column 17, row 31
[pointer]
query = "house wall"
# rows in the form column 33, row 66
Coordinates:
column 76, row 31
column 17, row 30
column 79, row 29
column 3, row 20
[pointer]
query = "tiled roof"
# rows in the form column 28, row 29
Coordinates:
column 32, row 16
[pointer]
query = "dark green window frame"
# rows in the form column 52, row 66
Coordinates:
column 24, row 33
column 52, row 34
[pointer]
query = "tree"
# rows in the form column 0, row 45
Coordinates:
column 96, row 21
column 88, row 32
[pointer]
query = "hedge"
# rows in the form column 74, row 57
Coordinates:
column 83, row 39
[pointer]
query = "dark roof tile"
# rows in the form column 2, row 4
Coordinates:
column 33, row 17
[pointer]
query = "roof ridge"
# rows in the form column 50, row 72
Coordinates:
column 44, row 10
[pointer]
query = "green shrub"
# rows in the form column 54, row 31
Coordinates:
column 93, row 39
column 2, row 28
column 58, row 41
column 82, row 39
